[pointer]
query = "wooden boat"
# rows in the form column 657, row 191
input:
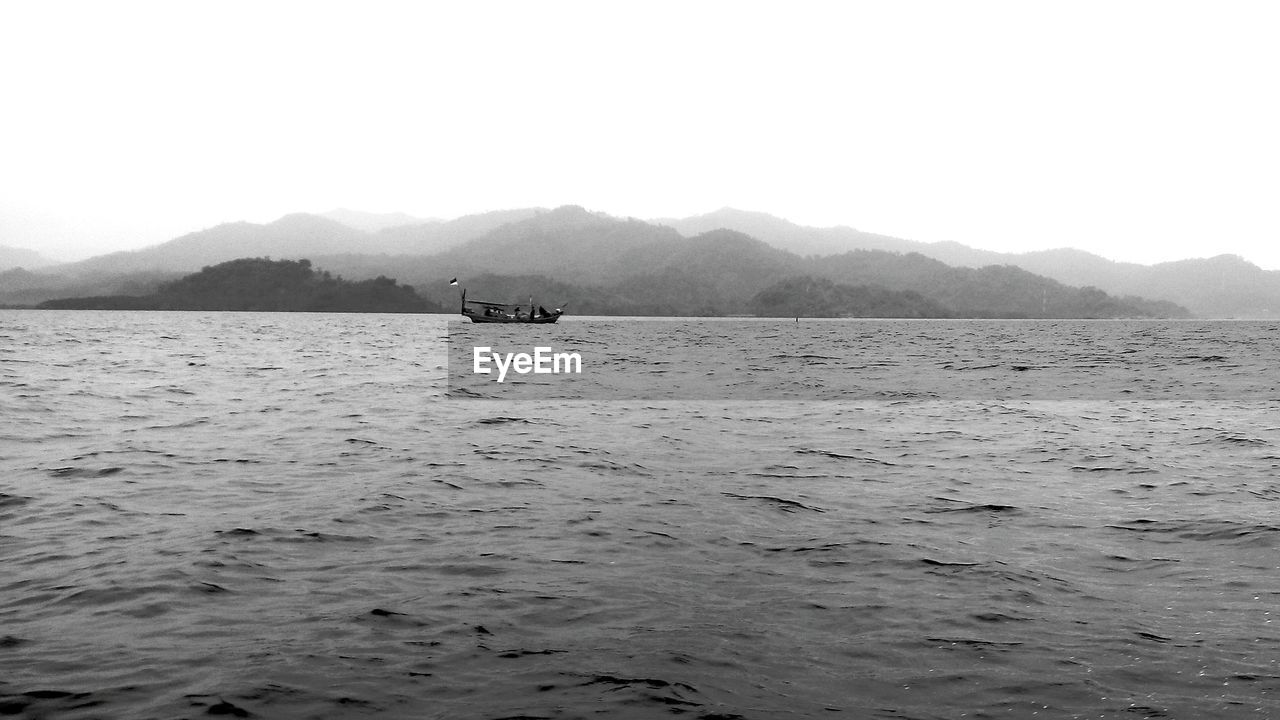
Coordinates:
column 481, row 311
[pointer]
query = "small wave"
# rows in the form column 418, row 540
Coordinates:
column 973, row 642
column 1135, row 470
column 298, row 535
column 184, row 425
column 220, row 707
column 842, row 456
column 12, row 641
column 7, row 500
column 803, row 357
column 904, row 395
column 1205, row 530
column 44, row 703
column 964, row 507
column 997, row 617
column 634, row 469
column 72, row 471
column 173, row 390
column 953, row 366
column 1237, row 438
column 1228, row 438
column 947, row 563
column 651, row 691
column 826, row 547
column 1205, row 358
column 782, row 504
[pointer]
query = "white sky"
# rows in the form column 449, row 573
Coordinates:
column 1142, row 131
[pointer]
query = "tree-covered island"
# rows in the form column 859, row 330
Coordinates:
column 264, row 285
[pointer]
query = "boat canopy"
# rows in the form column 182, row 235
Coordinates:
column 508, row 307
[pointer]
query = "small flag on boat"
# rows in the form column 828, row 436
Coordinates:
column 453, row 281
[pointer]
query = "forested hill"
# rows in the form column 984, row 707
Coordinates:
column 819, row 297
column 262, row 285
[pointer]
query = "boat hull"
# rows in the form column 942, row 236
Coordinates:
column 544, row 320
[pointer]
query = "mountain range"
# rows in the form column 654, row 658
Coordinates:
column 12, row 257
column 1223, row 286
column 713, row 262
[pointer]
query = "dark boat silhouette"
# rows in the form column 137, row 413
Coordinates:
column 482, row 311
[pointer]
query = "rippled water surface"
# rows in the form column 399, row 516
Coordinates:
column 290, row 516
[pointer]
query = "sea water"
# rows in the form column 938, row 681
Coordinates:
column 311, row 516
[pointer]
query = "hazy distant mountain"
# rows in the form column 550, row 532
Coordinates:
column 786, row 235
column 649, row 268
column 21, row 279
column 12, row 257
column 373, row 222
column 20, row 287
column 1223, row 287
column 634, row 268
column 568, row 243
column 953, row 253
column 429, row 237
column 291, row 237
column 726, row 259
column 802, row 240
column 652, row 269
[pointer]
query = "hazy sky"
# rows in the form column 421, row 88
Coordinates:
column 1142, row 131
